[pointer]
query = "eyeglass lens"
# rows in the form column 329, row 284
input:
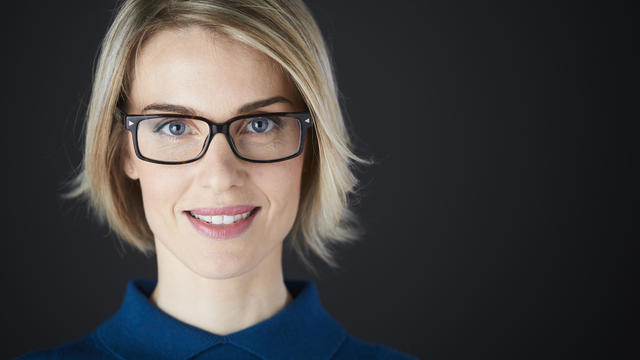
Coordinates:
column 256, row 138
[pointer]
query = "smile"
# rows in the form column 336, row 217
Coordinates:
column 222, row 219
column 222, row 223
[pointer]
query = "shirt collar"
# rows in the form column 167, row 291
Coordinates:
column 303, row 329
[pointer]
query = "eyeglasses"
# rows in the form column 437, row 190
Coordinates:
column 181, row 139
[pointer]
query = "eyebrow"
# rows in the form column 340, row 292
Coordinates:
column 190, row 111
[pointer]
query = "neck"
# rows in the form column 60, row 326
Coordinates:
column 220, row 305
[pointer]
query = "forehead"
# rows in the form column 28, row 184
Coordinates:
column 205, row 70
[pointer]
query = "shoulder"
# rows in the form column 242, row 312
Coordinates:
column 88, row 347
column 352, row 348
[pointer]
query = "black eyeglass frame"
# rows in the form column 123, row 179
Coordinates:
column 131, row 123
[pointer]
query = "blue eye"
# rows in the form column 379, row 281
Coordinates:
column 174, row 128
column 260, row 125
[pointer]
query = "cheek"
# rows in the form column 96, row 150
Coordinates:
column 161, row 190
column 280, row 183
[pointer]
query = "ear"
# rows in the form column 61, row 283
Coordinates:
column 128, row 162
column 129, row 168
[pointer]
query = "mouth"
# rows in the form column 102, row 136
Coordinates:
column 222, row 223
column 223, row 219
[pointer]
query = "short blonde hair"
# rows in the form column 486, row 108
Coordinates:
column 286, row 32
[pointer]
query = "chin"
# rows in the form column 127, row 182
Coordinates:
column 223, row 267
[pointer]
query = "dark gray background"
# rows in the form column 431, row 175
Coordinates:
column 497, row 216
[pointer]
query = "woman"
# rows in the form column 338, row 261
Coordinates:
column 213, row 134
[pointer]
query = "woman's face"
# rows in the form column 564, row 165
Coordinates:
column 215, row 77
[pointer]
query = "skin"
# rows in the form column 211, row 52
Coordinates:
column 221, row 286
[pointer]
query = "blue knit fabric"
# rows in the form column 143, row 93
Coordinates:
column 139, row 330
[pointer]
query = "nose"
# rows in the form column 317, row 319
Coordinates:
column 219, row 169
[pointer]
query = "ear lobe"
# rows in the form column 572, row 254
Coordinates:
column 130, row 169
column 127, row 161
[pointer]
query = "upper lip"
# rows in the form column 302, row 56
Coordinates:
column 224, row 210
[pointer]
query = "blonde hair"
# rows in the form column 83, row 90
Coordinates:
column 286, row 32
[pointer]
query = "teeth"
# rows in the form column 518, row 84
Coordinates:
column 222, row 219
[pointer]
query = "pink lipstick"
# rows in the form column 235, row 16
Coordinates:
column 222, row 222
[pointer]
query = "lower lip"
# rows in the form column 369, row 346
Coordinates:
column 222, row 231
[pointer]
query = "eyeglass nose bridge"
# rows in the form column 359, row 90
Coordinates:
column 215, row 129
column 218, row 128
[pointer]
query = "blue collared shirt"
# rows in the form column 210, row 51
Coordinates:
column 139, row 330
